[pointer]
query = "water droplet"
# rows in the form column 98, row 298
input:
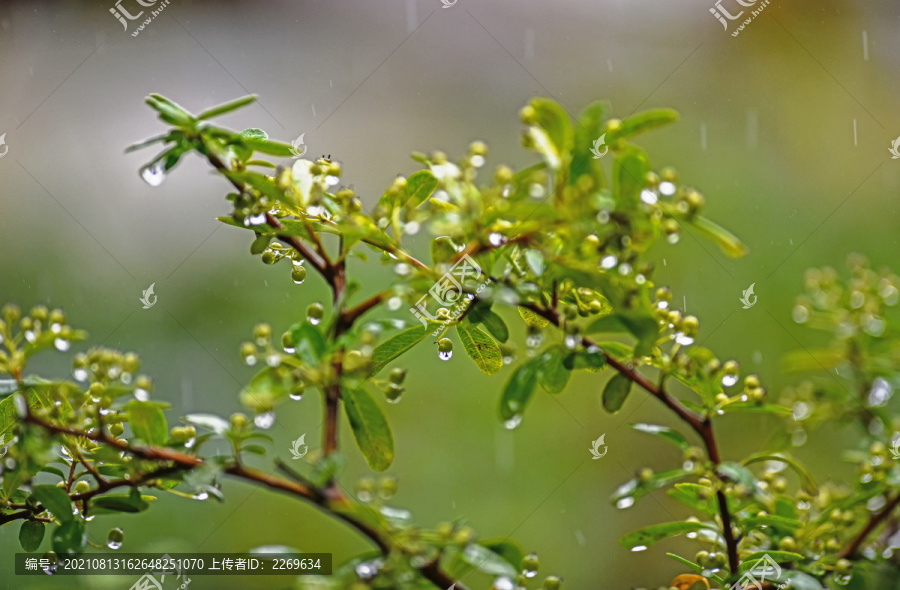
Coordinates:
column 648, row 196
column 874, row 326
column 394, row 303
column 313, row 321
column 412, row 228
column 332, row 180
column 880, row 393
column 637, row 548
column 402, row 269
column 154, row 175
column 30, row 336
column 729, row 380
column 395, row 399
column 571, row 341
column 115, row 538
column 264, row 420
column 626, row 502
column 258, row 219
column 798, row 437
column 201, row 496
column 673, row 238
column 368, row 569
column 497, row 239
column 503, row 583
column 56, row 328
column 296, row 396
column 667, row 188
column 842, row 579
column 142, row 395
column 513, row 422
column 477, row 161
column 624, row 269
column 609, row 261
column 80, row 374
column 876, row 503
column 250, row 360
column 534, row 340
column 126, row 378
column 445, row 356
column 273, row 360
column 683, row 340
column 857, row 299
column 536, row 190
column 801, row 411
column 888, row 292
column 529, row 573
column 61, row 345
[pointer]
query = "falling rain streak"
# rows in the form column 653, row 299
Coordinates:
column 703, row 136
column 865, row 46
column 752, row 129
column 854, row 133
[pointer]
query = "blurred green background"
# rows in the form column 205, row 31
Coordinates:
column 786, row 128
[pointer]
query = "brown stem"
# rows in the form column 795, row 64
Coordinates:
column 873, row 523
column 703, row 427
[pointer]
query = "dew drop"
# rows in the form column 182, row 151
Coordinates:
column 637, row 548
column 30, row 336
column 497, row 239
column 648, row 196
column 534, row 340
column 258, row 219
column 154, row 175
column 313, row 321
column 80, row 374
column 367, row 570
column 683, row 340
column 142, row 395
column 200, row 496
column 667, row 188
column 61, row 345
column 571, row 341
column 115, row 538
column 402, row 269
column 477, row 161
column 56, row 328
column 264, row 420
column 445, row 356
column 503, row 583
column 880, row 393
column 609, row 261
column 798, row 438
column 626, row 502
column 394, row 303
column 250, row 360
column 876, row 503
column 513, row 422
column 273, row 360
column 536, row 190
column 296, row 396
column 801, row 411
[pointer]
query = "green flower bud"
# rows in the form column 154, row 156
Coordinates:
column 315, row 312
column 238, row 421
column 117, row 429
column 39, row 313
column 552, row 583
column 731, row 368
column 528, row 115
column 397, row 375
column 287, row 340
column 464, row 536
column 612, row 125
column 131, row 362
column 82, row 487
column 787, row 544
column 445, row 345
column 651, row 179
column 669, row 174
column 298, row 275
column 503, row 174
column 531, row 563
column 268, row 257
column 690, row 325
column 262, row 333
column 645, row 475
column 57, row 316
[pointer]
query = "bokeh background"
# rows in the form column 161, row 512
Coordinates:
column 786, row 128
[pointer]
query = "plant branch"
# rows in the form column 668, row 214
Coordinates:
column 873, row 523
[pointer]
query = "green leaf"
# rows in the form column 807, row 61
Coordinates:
column 55, row 500
column 749, row 561
column 309, row 343
column 480, row 347
column 518, row 391
column 616, row 392
column 629, row 171
column 627, row 494
column 692, row 495
column 647, row 536
column 31, row 534
column 646, row 121
column 663, row 432
column 640, row 324
column 738, row 474
column 587, row 359
column 226, row 107
column 508, row 550
column 487, row 561
column 267, row 387
column 588, row 129
column 169, row 111
column 783, row 524
column 419, row 188
column 806, row 478
column 727, row 241
column 481, row 313
column 373, row 435
column 443, row 249
column 116, row 503
column 148, row 422
column 69, row 538
column 553, row 135
column 552, row 373
column 535, row 261
column 393, row 347
column 532, row 319
column 260, row 244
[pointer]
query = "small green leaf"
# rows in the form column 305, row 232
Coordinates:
column 55, row 500
column 226, row 107
column 532, row 319
column 373, row 435
column 115, row 503
column 588, row 359
column 69, row 538
column 806, row 478
column 309, row 343
column 480, row 347
column 260, row 244
column 557, row 125
column 663, row 432
column 640, row 324
column 170, row 112
column 647, row 536
column 646, row 121
column 487, row 561
column 393, row 347
column 267, row 387
column 696, row 568
column 627, row 494
column 738, row 474
column 481, row 313
column 535, row 261
column 727, row 241
column 508, row 550
column 552, row 373
column 518, row 391
column 629, row 170
column 616, row 392
column 31, row 534
column 419, row 188
column 148, row 422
